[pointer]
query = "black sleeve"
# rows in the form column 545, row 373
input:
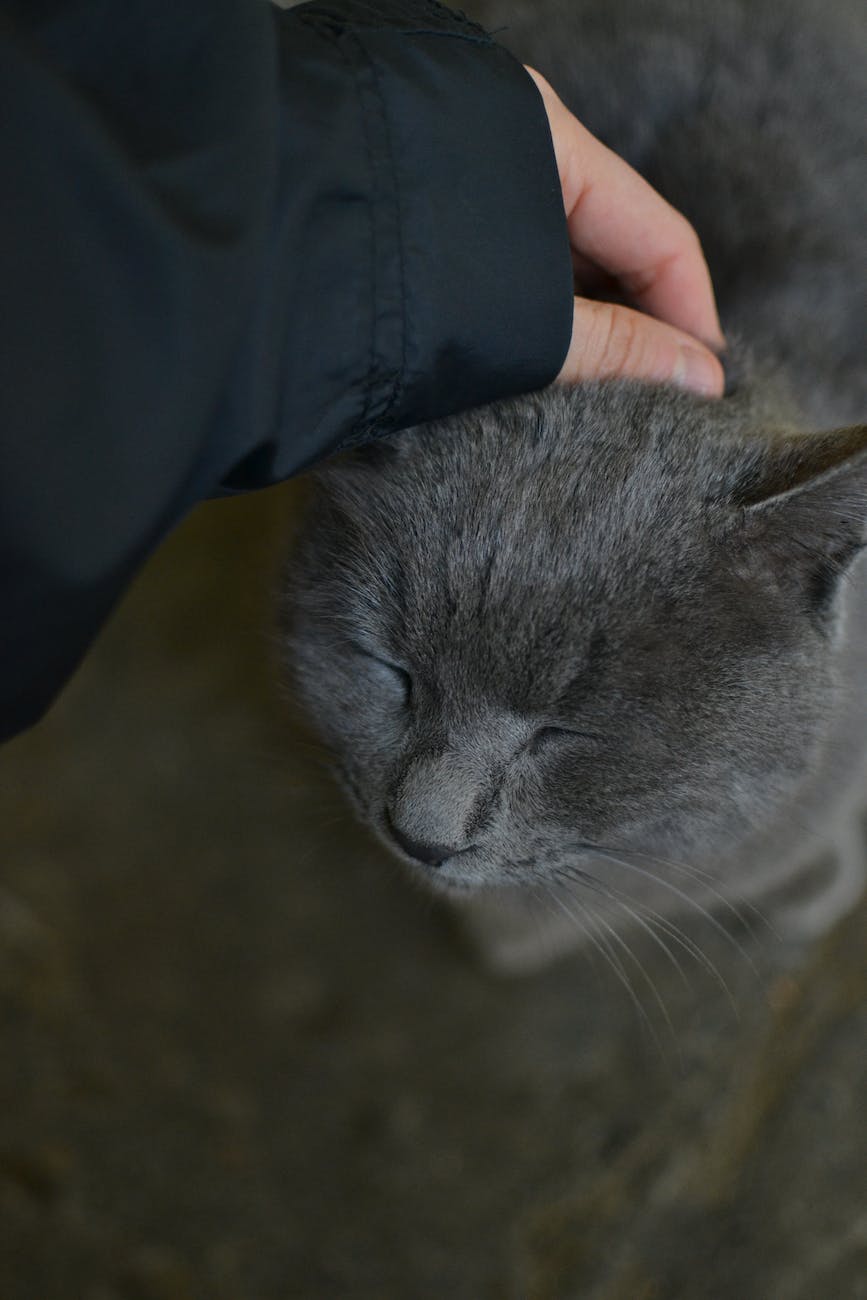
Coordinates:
column 232, row 240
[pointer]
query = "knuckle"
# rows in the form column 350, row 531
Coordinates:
column 621, row 343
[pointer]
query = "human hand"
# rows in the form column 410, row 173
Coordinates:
column 620, row 225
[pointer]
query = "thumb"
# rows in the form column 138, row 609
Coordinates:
column 610, row 341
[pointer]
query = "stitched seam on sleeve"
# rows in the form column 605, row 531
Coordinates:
column 444, row 21
column 328, row 33
column 399, row 378
column 373, row 258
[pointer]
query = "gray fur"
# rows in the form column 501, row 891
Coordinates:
column 677, row 581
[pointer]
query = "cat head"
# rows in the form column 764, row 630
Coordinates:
column 603, row 616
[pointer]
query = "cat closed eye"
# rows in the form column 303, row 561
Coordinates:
column 390, row 673
column 549, row 736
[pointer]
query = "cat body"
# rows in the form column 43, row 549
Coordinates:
column 609, row 644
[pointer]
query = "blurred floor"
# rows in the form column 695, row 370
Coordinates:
column 241, row 1060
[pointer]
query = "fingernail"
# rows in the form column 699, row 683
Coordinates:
column 695, row 371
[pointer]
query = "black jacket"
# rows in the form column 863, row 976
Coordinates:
column 232, row 240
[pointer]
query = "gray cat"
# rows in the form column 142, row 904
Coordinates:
column 609, row 645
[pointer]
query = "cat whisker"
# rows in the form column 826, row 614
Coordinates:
column 604, row 947
column 696, row 873
column 592, row 882
column 679, row 893
column 690, row 946
column 538, row 894
column 683, row 940
column 588, row 930
column 706, row 879
column 644, row 973
column 614, row 896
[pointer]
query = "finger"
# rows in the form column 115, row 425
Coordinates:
column 619, row 222
column 609, row 341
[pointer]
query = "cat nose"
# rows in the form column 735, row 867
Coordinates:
column 433, row 855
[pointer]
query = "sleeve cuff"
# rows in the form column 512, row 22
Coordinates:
column 438, row 275
column 485, row 268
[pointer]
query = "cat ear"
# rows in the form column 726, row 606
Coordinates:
column 804, row 506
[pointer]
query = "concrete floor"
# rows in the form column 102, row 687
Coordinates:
column 241, row 1060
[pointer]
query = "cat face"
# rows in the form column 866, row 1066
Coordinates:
column 591, row 621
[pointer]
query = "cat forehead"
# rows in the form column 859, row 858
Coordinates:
column 599, row 470
column 508, row 538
